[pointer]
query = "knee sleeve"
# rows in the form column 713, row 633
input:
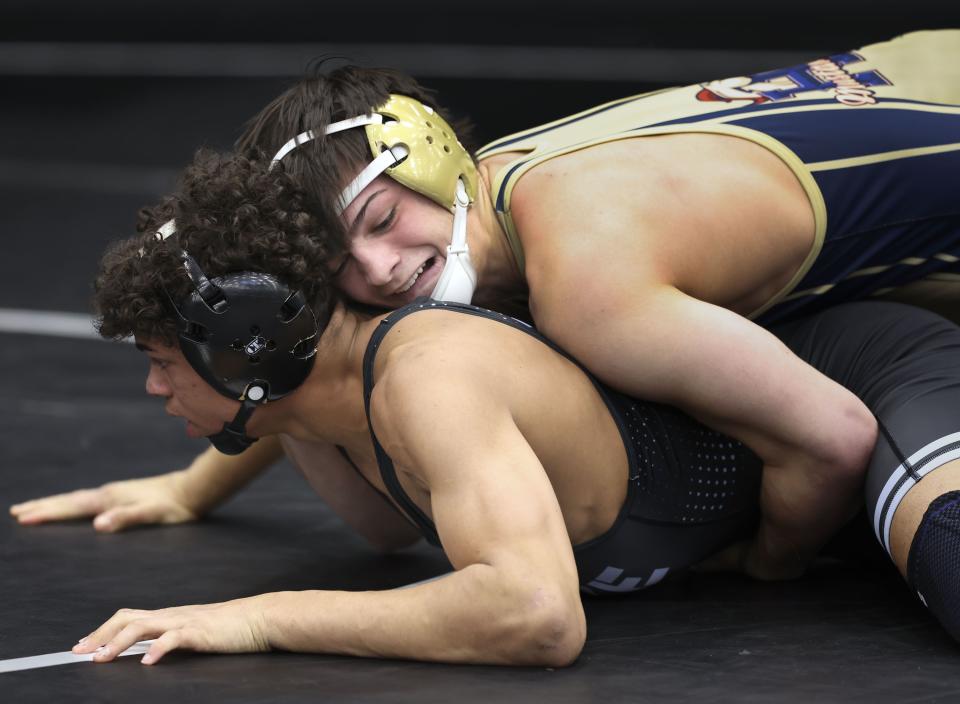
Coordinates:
column 933, row 564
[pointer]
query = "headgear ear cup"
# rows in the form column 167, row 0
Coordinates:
column 248, row 335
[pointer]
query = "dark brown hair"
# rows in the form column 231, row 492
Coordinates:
column 322, row 167
column 232, row 214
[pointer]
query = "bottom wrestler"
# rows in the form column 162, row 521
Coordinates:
column 536, row 480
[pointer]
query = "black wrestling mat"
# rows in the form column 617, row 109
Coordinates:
column 75, row 415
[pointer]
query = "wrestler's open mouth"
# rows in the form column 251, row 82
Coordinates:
column 418, row 276
column 413, row 279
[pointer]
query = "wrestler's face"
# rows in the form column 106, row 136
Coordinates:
column 186, row 394
column 398, row 245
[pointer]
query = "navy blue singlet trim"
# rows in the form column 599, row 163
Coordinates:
column 388, row 472
column 855, row 133
column 896, row 193
column 759, row 109
column 506, row 179
column 749, row 109
column 752, row 108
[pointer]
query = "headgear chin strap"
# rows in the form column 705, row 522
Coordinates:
column 458, row 280
column 232, row 438
column 418, row 149
column 248, row 335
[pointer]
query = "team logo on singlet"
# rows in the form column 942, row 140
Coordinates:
column 832, row 73
column 612, row 580
column 255, row 346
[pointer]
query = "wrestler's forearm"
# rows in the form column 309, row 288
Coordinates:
column 800, row 512
column 470, row 616
column 213, row 477
column 810, row 432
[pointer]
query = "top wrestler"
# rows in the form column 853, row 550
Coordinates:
column 487, row 439
column 755, row 197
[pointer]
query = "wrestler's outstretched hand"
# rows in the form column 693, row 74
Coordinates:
column 229, row 627
column 114, row 506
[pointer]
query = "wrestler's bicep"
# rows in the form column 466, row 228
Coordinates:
column 490, row 497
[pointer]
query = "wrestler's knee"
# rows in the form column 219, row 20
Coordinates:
column 933, row 564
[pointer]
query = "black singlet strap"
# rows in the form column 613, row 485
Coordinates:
column 386, row 502
column 387, row 471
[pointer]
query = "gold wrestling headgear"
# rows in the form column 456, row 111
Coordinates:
column 416, row 147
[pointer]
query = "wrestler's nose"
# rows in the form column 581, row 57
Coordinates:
column 156, row 383
column 376, row 260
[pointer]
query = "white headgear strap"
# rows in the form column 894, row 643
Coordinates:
column 332, row 128
column 388, row 158
column 458, row 280
column 383, row 162
column 166, row 230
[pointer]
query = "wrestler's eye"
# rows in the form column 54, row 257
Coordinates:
column 159, row 363
column 384, row 224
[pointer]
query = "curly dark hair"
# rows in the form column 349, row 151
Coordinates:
column 322, row 167
column 232, row 214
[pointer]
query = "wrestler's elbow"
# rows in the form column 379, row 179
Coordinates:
column 549, row 631
column 866, row 440
column 523, row 619
column 562, row 637
column 852, row 442
column 566, row 650
column 858, row 439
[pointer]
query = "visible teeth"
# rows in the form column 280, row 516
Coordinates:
column 413, row 279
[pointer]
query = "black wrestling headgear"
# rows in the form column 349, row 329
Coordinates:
column 246, row 334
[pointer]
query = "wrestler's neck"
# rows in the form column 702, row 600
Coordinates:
column 499, row 276
column 328, row 406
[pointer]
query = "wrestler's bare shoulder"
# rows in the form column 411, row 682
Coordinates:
column 471, row 346
column 444, row 352
column 719, row 217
